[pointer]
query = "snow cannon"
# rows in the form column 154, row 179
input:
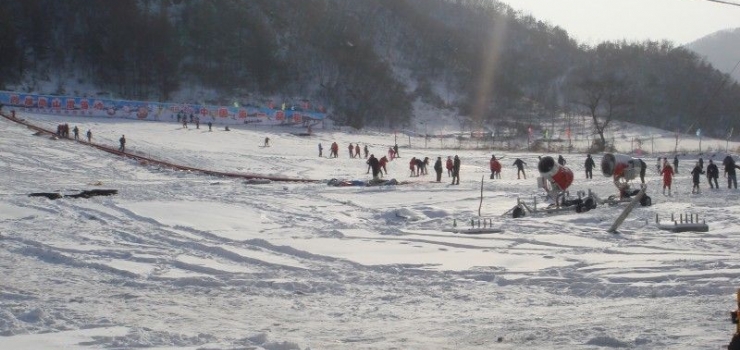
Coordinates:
column 620, row 166
column 559, row 176
column 623, row 169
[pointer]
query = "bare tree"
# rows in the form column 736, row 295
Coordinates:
column 605, row 98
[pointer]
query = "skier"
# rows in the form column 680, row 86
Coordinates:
column 643, row 167
column 675, row 164
column 89, row 135
column 456, row 171
column 667, row 173
column 438, row 169
column 351, row 149
column 76, row 131
column 520, row 168
column 122, row 141
column 383, row 161
column 449, row 166
column 495, row 167
column 561, row 160
column 375, row 165
column 712, row 174
column 366, row 151
column 730, row 166
column 695, row 176
column 334, row 150
column 589, row 165
column 357, row 151
column 395, row 151
column 321, row 150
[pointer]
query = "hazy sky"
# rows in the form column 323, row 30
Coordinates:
column 594, row 21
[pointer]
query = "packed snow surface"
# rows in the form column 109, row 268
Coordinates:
column 181, row 260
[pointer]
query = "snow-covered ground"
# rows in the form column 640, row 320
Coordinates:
column 179, row 260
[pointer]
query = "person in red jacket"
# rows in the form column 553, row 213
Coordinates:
column 334, row 150
column 449, row 166
column 495, row 168
column 383, row 162
column 667, row 173
column 412, row 166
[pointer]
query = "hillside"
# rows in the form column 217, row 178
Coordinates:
column 371, row 63
column 721, row 49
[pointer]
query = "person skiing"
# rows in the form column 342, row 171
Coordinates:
column 643, row 168
column 667, row 173
column 730, row 166
column 375, row 165
column 449, row 166
column 438, row 169
column 383, row 161
column 122, row 141
column 712, row 174
column 561, row 160
column 334, row 150
column 456, row 171
column 675, row 164
column 695, row 176
column 357, row 151
column 495, row 167
column 589, row 165
column 89, row 135
column 520, row 168
column 321, row 150
column 76, row 131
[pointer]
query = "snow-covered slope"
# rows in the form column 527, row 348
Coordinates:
column 179, row 260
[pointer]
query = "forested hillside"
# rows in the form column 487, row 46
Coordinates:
column 721, row 49
column 367, row 61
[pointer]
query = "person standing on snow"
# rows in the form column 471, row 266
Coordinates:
column 589, row 165
column 122, row 141
column 366, row 151
column 412, row 166
column 321, row 150
column 520, row 168
column 667, row 173
column 449, row 166
column 456, row 170
column 712, row 174
column 561, row 160
column 351, row 149
column 643, row 168
column 730, row 166
column 89, row 135
column 495, row 167
column 695, row 176
column 374, row 165
column 76, row 131
column 383, row 161
column 438, row 169
column 395, row 151
column 675, row 164
column 357, row 151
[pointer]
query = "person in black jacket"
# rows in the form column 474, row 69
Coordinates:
column 589, row 165
column 695, row 176
column 520, row 168
column 374, row 165
column 643, row 167
column 712, row 174
column 730, row 166
column 456, row 170
column 438, row 169
column 561, row 160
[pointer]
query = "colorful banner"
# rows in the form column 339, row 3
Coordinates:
column 154, row 111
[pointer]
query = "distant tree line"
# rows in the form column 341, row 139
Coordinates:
column 368, row 61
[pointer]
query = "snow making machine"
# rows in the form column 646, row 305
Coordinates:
column 623, row 169
column 555, row 180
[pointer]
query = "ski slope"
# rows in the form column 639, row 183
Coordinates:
column 181, row 260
